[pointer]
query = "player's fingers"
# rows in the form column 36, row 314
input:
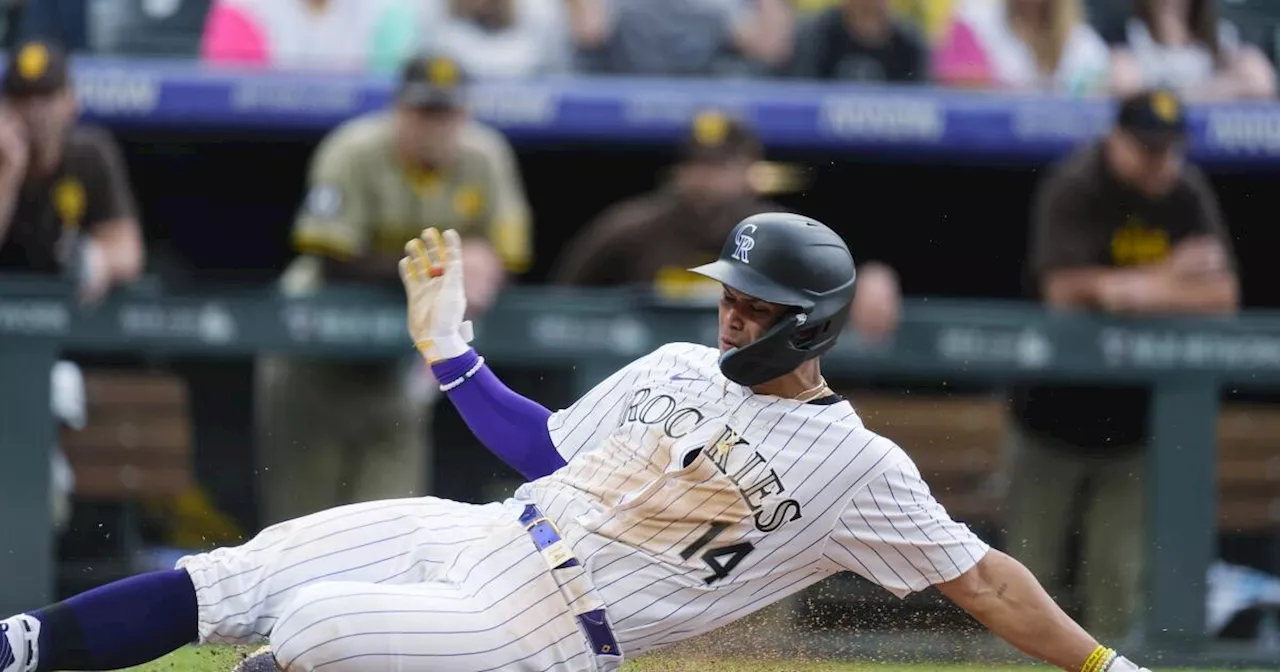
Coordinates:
column 436, row 248
column 435, row 244
column 453, row 248
column 419, row 261
column 406, row 270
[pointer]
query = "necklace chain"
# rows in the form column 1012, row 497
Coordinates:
column 814, row 392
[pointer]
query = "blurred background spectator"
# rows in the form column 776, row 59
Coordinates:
column 681, row 37
column 1023, row 45
column 859, row 40
column 359, row 35
column 1183, row 45
column 499, row 38
column 375, row 182
column 146, row 27
column 66, row 206
column 1127, row 227
column 649, row 242
column 652, row 239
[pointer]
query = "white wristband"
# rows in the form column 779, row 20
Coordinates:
column 475, row 368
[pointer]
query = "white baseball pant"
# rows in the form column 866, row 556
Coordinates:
column 398, row 585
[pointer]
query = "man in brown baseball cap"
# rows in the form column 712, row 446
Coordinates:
column 1124, row 225
column 374, row 182
column 66, row 205
column 654, row 237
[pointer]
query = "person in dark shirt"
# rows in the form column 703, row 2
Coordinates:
column 859, row 40
column 653, row 238
column 1127, row 227
column 66, row 206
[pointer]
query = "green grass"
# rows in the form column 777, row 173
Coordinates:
column 222, row 659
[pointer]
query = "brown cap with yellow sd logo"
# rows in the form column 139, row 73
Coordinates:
column 34, row 68
column 1155, row 117
column 432, row 81
column 715, row 135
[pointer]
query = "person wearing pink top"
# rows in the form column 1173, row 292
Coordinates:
column 1023, row 45
column 360, row 35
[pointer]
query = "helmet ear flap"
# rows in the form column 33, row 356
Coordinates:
column 820, row 336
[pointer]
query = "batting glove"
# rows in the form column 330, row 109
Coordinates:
column 1122, row 664
column 432, row 274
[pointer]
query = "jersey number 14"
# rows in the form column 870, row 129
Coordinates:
column 721, row 559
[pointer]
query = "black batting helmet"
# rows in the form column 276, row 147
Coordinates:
column 793, row 261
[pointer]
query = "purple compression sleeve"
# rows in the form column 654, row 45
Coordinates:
column 510, row 426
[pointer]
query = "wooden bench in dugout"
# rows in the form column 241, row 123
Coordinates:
column 957, row 441
column 137, row 448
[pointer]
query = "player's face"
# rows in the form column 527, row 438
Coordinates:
column 744, row 318
column 1153, row 171
column 429, row 135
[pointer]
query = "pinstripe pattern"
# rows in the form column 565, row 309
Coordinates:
column 414, row 584
column 690, row 501
column 633, row 505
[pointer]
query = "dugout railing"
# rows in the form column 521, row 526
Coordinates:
column 593, row 333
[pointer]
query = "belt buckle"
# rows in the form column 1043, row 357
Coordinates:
column 557, row 553
column 543, row 519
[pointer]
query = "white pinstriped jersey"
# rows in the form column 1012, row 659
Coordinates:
column 696, row 502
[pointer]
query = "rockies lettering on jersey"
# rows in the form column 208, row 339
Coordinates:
column 648, row 408
column 658, row 409
column 697, row 502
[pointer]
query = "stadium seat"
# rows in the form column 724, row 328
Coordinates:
column 138, row 440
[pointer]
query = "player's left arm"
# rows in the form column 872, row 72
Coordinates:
column 112, row 252
column 1005, row 597
column 895, row 534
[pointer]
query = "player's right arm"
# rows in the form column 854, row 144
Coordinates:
column 335, row 220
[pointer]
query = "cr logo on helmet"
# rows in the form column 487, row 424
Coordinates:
column 745, row 242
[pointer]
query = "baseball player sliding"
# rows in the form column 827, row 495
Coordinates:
column 689, row 489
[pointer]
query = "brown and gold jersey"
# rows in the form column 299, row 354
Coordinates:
column 89, row 187
column 363, row 199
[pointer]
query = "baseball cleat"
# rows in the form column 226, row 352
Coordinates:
column 261, row 660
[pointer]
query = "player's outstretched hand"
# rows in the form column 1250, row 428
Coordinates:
column 432, row 274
